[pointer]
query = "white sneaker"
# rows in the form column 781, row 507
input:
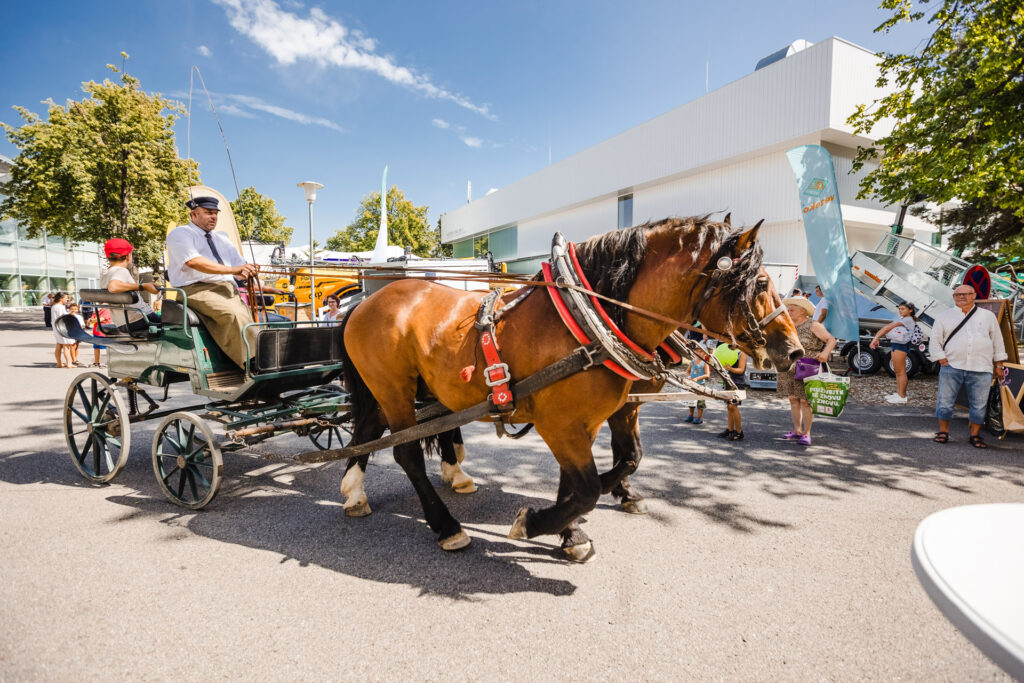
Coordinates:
column 895, row 398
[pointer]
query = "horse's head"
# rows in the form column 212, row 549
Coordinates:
column 740, row 302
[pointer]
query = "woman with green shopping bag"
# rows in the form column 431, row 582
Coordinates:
column 818, row 344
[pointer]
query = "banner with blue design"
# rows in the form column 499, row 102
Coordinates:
column 826, row 236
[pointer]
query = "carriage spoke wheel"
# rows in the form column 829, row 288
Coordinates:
column 326, row 438
column 96, row 427
column 187, row 460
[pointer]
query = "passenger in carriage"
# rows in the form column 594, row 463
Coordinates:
column 118, row 278
column 205, row 263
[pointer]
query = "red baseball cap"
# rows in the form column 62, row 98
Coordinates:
column 117, row 246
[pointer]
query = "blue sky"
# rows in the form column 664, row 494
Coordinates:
column 443, row 92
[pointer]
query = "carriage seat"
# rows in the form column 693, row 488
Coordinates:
column 172, row 314
column 102, row 296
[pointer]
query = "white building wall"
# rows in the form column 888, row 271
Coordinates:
column 724, row 151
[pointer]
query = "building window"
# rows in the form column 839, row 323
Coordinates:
column 626, row 211
column 937, row 239
column 463, row 249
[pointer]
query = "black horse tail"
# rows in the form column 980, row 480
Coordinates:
column 367, row 417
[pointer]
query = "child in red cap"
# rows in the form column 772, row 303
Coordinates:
column 118, row 277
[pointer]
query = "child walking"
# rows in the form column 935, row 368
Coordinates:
column 699, row 372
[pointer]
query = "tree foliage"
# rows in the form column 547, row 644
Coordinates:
column 958, row 117
column 258, row 219
column 102, row 167
column 407, row 226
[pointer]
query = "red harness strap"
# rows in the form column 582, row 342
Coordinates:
column 496, row 373
column 574, row 328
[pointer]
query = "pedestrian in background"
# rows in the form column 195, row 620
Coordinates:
column 820, row 308
column 898, row 333
column 968, row 345
column 817, row 343
column 699, row 373
column 62, row 352
column 735, row 363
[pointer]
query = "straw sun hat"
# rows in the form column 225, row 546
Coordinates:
column 800, row 302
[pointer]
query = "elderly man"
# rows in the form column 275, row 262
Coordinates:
column 205, row 263
column 967, row 343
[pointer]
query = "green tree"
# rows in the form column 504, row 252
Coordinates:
column 441, row 249
column 407, row 226
column 258, row 219
column 104, row 167
column 958, row 130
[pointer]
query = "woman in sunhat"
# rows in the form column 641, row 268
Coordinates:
column 817, row 343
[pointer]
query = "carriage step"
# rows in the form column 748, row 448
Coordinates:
column 226, row 379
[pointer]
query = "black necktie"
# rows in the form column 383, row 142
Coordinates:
column 213, row 248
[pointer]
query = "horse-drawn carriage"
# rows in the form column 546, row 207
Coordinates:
column 414, row 338
column 286, row 388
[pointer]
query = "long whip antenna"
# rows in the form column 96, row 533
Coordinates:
column 231, row 164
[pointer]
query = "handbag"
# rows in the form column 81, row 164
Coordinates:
column 827, row 392
column 806, row 367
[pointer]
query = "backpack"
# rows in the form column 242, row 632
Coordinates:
column 917, row 335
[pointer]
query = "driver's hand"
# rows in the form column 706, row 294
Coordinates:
column 150, row 287
column 245, row 270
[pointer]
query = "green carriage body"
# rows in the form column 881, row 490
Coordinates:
column 285, row 388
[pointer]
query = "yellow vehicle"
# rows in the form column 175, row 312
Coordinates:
column 337, row 281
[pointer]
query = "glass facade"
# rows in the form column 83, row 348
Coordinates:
column 503, row 245
column 31, row 268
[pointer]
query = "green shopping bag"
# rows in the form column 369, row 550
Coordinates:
column 827, row 392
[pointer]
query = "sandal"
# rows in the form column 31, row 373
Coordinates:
column 941, row 437
column 977, row 442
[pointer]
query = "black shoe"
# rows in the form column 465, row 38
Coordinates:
column 727, row 434
column 736, row 436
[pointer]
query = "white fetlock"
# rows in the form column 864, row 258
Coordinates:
column 460, row 481
column 460, row 452
column 583, row 552
column 356, row 503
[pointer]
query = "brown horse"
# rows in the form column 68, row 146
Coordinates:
column 413, row 333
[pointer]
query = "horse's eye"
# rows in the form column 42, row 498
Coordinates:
column 724, row 263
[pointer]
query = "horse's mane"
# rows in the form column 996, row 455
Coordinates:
column 612, row 261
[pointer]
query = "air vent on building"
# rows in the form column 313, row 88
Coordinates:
column 791, row 49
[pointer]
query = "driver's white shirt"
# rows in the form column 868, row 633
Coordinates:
column 186, row 242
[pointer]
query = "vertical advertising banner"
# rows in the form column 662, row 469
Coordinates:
column 826, row 236
column 380, row 249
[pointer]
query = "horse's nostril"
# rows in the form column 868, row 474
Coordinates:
column 796, row 354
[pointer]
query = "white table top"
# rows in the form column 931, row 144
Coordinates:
column 970, row 561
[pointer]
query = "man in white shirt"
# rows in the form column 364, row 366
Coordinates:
column 820, row 308
column 970, row 356
column 204, row 263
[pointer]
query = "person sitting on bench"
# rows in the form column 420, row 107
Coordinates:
column 118, row 279
column 204, row 263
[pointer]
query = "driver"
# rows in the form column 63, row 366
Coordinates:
column 205, row 263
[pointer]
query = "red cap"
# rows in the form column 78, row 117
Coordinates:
column 117, row 246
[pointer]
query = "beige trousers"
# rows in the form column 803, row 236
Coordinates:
column 224, row 314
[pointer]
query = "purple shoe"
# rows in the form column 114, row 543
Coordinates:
column 805, row 440
column 791, row 436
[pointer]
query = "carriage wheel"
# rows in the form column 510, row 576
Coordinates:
column 326, row 438
column 96, row 427
column 187, row 460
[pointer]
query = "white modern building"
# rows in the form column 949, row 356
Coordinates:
column 724, row 151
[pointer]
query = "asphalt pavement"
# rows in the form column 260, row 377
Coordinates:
column 758, row 559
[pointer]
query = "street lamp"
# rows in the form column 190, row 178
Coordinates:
column 310, row 187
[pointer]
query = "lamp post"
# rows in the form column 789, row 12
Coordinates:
column 310, row 188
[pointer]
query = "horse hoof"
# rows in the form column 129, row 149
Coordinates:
column 579, row 553
column 634, row 507
column 518, row 529
column 455, row 541
column 360, row 509
column 464, row 486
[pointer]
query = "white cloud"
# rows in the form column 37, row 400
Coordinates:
column 204, row 51
column 245, row 105
column 441, row 123
column 475, row 143
column 289, row 38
